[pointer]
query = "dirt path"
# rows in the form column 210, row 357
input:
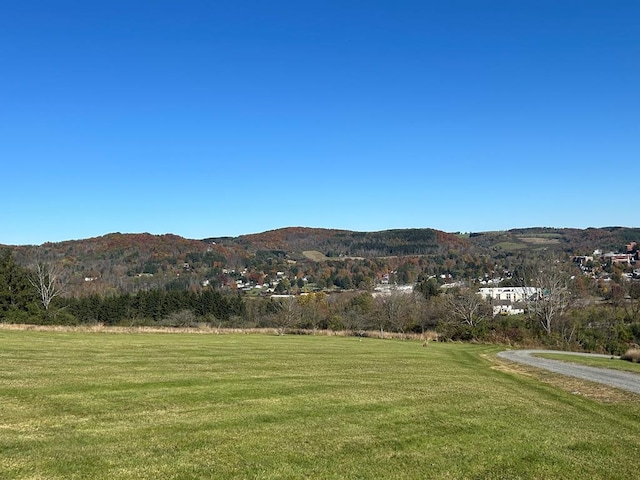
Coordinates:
column 615, row 378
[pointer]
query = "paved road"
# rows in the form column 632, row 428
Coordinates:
column 615, row 378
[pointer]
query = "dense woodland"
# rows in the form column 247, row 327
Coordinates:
column 329, row 279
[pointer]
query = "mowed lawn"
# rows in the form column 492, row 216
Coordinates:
column 188, row 406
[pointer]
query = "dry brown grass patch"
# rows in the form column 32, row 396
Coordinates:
column 632, row 355
column 540, row 240
column 209, row 330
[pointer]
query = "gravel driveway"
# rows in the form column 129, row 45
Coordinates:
column 615, row 378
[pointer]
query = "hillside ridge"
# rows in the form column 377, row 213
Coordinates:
column 129, row 262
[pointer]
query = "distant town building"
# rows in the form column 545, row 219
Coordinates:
column 509, row 294
column 620, row 258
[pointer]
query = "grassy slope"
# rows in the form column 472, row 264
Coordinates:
column 83, row 405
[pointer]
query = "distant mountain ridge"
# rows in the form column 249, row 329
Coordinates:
column 569, row 240
column 295, row 240
column 411, row 241
column 130, row 262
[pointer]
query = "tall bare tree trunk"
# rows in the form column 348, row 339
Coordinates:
column 553, row 295
column 47, row 280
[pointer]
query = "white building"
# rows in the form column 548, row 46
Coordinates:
column 509, row 294
column 504, row 298
column 506, row 310
column 387, row 290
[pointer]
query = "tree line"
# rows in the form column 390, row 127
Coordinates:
column 558, row 318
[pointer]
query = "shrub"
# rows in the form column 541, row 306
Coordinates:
column 181, row 318
column 632, row 355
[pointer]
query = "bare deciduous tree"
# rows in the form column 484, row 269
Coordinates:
column 394, row 310
column 354, row 321
column 288, row 315
column 182, row 318
column 553, row 296
column 389, row 308
column 466, row 306
column 632, row 307
column 47, row 279
column 430, row 312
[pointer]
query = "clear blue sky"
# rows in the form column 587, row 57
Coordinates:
column 209, row 118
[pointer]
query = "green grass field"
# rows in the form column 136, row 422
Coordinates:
column 510, row 246
column 186, row 406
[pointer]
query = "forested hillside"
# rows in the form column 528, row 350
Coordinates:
column 318, row 258
column 569, row 240
column 335, row 243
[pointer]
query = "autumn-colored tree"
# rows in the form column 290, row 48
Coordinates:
column 313, row 309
